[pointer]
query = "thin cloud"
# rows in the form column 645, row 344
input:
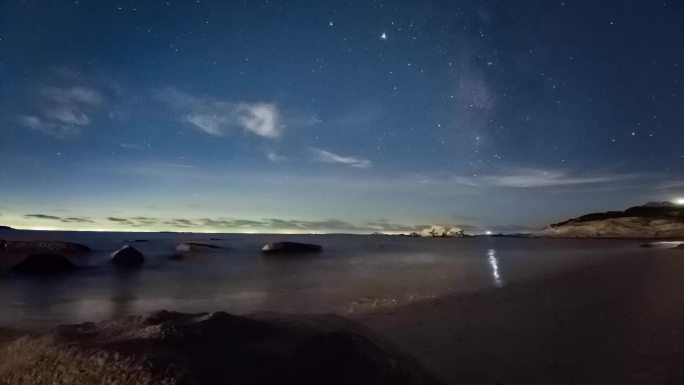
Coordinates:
column 220, row 117
column 42, row 216
column 527, row 178
column 61, row 219
column 64, row 110
column 275, row 157
column 329, row 157
column 546, row 178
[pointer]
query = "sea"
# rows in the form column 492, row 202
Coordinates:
column 353, row 273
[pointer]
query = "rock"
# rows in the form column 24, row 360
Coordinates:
column 209, row 349
column 136, row 240
column 442, row 231
column 290, row 247
column 44, row 263
column 413, row 234
column 41, row 246
column 191, row 246
column 127, row 257
column 653, row 220
column 5, row 228
column 646, row 245
column 680, row 246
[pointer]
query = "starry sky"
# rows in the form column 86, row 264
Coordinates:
column 332, row 116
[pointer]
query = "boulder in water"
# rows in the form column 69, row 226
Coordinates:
column 208, row 349
column 192, row 246
column 44, row 263
column 127, row 257
column 290, row 247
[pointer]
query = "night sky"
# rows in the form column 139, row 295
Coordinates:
column 322, row 116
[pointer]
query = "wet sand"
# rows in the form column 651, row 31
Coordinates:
column 618, row 322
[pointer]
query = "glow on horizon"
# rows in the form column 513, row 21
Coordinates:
column 679, row 201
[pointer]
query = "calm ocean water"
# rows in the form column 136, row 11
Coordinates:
column 354, row 273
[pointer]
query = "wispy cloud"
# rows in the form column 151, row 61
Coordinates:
column 63, row 111
column 56, row 218
column 219, row 117
column 329, row 157
column 275, row 157
column 527, row 178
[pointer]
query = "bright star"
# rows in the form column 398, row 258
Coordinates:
column 383, row 36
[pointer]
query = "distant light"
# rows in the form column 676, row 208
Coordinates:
column 679, row 201
column 488, row 232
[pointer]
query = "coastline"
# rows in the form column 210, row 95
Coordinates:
column 612, row 321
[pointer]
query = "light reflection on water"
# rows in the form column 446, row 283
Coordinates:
column 494, row 265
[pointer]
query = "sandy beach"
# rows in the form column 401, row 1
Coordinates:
column 618, row 322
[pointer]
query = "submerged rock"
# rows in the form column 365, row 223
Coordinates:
column 127, row 257
column 44, row 263
column 192, row 246
column 290, row 247
column 41, row 246
column 208, row 349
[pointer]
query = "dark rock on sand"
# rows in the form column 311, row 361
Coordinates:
column 41, row 246
column 44, row 263
column 127, row 257
column 192, row 246
column 208, row 349
column 290, row 247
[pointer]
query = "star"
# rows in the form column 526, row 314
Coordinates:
column 383, row 36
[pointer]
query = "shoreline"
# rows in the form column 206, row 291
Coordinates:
column 617, row 321
column 612, row 321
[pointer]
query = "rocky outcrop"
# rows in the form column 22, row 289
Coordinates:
column 208, row 349
column 290, row 247
column 192, row 246
column 442, row 231
column 661, row 220
column 44, row 263
column 127, row 257
column 41, row 246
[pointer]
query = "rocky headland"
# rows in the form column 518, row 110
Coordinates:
column 652, row 220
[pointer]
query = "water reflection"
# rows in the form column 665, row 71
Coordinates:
column 494, row 265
